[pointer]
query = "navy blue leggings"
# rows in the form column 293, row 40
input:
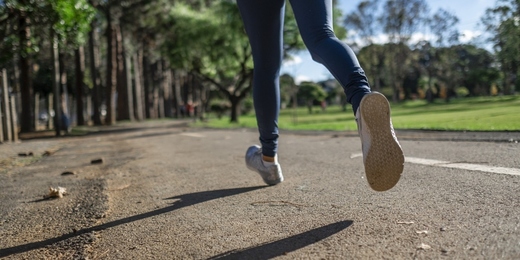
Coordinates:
column 263, row 20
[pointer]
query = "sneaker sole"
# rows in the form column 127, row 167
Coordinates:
column 384, row 162
column 268, row 182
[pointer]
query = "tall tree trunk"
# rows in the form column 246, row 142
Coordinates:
column 36, row 110
column 139, row 109
column 94, row 74
column 154, row 78
column 25, row 74
column 88, row 107
column 167, row 92
column 157, row 90
column 111, row 71
column 56, row 84
column 235, row 108
column 511, row 78
column 148, row 102
column 189, row 94
column 203, row 100
column 65, row 114
column 395, row 92
column 197, row 91
column 50, row 106
column 80, row 72
column 123, row 97
column 155, row 102
column 130, row 89
column 177, row 93
column 6, row 126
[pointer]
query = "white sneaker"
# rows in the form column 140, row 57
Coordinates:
column 271, row 174
column 382, row 153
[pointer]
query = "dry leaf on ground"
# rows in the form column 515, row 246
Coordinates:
column 58, row 192
column 423, row 246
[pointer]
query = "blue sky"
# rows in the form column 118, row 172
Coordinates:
column 469, row 13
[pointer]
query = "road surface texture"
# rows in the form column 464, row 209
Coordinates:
column 167, row 191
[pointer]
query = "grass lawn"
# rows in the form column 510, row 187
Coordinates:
column 473, row 114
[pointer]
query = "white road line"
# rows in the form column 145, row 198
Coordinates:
column 356, row 155
column 464, row 166
column 455, row 165
column 193, row 135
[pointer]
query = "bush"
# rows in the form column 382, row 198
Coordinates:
column 247, row 106
column 462, row 92
column 219, row 107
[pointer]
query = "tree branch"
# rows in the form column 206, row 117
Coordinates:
column 244, row 74
column 213, row 81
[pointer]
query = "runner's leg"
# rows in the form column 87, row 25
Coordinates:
column 264, row 26
column 314, row 20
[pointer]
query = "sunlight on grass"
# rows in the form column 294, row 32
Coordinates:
column 472, row 114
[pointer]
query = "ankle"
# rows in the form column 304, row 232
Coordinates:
column 268, row 159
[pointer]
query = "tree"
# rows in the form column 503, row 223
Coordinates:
column 503, row 23
column 25, row 29
column 474, row 67
column 211, row 43
column 311, row 92
column 428, row 60
column 288, row 90
column 443, row 26
column 95, row 73
column 363, row 21
column 400, row 20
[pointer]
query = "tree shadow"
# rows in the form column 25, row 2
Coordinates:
column 286, row 245
column 83, row 131
column 152, row 135
column 184, row 200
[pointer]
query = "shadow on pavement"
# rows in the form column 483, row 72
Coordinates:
column 286, row 245
column 184, row 201
column 122, row 128
column 152, row 135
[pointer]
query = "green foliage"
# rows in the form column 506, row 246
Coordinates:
column 72, row 20
column 401, row 18
column 311, row 92
column 247, row 105
column 291, row 34
column 219, row 107
column 474, row 68
column 462, row 92
column 503, row 24
column 210, row 41
column 363, row 20
column 287, row 88
column 339, row 30
column 443, row 26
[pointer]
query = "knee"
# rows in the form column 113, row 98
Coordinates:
column 316, row 40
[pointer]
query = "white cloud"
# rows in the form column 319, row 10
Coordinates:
column 295, row 60
column 417, row 37
column 301, row 78
column 465, row 37
column 468, row 35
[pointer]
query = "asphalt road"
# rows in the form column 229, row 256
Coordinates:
column 165, row 191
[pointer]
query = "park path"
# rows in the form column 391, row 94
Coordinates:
column 166, row 191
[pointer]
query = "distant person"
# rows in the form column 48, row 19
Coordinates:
column 263, row 20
